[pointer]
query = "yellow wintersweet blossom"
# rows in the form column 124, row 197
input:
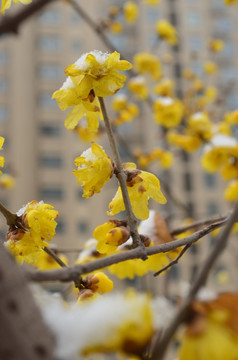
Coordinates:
column 165, row 88
column 168, row 112
column 148, row 63
column 39, row 219
column 46, row 262
column 188, row 142
column 130, row 11
column 216, row 45
column 167, row 32
column 212, row 330
column 116, row 27
column 230, row 2
column 7, row 181
column 201, row 125
column 165, row 158
column 7, row 3
column 110, row 235
column 85, row 135
column 210, row 67
column 1, row 157
column 68, row 96
column 125, row 111
column 98, row 283
column 210, row 93
column 231, row 192
column 137, row 85
column 188, row 74
column 141, row 186
column 231, row 118
column 97, row 73
column 95, row 168
column 152, row 2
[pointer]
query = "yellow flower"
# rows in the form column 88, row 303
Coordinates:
column 137, row 85
column 141, row 186
column 168, row 112
column 167, row 32
column 230, row 2
column 130, row 11
column 67, row 96
column 212, row 331
column 98, row 283
column 148, row 63
column 152, row 2
column 7, row 181
column 95, row 168
column 210, row 67
column 85, row 135
column 126, row 111
column 97, row 72
column 216, row 45
column 7, row 3
column 210, row 93
column 110, row 235
column 187, row 142
column 39, row 219
column 231, row 118
column 201, row 125
column 165, row 88
column 46, row 262
column 116, row 27
column 231, row 192
column 1, row 157
column 188, row 74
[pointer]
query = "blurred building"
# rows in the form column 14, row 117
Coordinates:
column 39, row 151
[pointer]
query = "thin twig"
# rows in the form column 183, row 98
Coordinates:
column 51, row 253
column 11, row 23
column 71, row 273
column 173, row 262
column 121, row 176
column 162, row 343
column 197, row 224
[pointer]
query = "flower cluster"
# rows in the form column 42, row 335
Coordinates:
column 39, row 221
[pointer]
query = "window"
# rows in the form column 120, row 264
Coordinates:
column 195, row 43
column 173, row 19
column 3, row 57
column 212, row 208
column 3, row 113
column 50, row 17
column 45, row 101
column 232, row 101
column 60, row 228
column 82, row 227
column 49, row 43
column 52, row 161
column 187, row 181
column 209, row 180
column 51, row 193
column 49, row 71
column 3, row 86
column 53, row 130
column 174, row 273
column 77, row 45
column 177, row 70
column 193, row 19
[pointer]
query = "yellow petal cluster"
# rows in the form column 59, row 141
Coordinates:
column 95, row 168
column 126, row 111
column 168, row 112
column 98, row 72
column 212, row 332
column 200, row 125
column 110, row 235
column 186, row 141
column 7, row 3
column 137, row 85
column 216, row 45
column 130, row 11
column 210, row 67
column 230, row 2
column 141, row 186
column 152, row 2
column 7, row 181
column 1, row 157
column 165, row 158
column 165, row 88
column 167, row 32
column 39, row 219
column 147, row 63
column 231, row 192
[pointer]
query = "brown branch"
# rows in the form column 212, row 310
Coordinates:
column 71, row 273
column 162, row 343
column 173, row 262
column 121, row 176
column 11, row 23
column 52, row 254
column 197, row 224
column 11, row 219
